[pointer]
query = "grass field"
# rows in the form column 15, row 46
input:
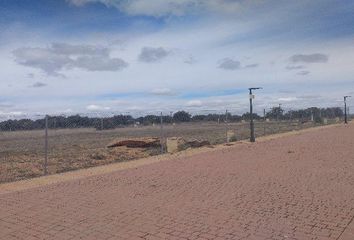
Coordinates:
column 22, row 152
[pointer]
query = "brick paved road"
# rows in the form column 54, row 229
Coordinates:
column 298, row 187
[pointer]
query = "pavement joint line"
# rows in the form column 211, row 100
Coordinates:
column 348, row 232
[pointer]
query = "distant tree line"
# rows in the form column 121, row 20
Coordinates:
column 76, row 121
column 304, row 114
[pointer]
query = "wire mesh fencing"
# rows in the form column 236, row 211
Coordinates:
column 40, row 145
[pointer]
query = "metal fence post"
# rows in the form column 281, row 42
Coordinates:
column 345, row 109
column 161, row 133
column 278, row 118
column 227, row 138
column 46, row 146
column 251, row 96
column 348, row 112
column 264, row 122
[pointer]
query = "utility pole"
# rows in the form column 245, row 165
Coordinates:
column 251, row 96
column 345, row 109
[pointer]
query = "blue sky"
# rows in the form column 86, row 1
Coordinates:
column 78, row 56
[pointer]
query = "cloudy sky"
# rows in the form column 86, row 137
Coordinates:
column 146, row 56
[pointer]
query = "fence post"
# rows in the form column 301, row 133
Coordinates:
column 161, row 134
column 278, row 118
column 349, row 118
column 264, row 122
column 46, row 146
column 227, row 139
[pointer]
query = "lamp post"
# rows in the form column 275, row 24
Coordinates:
column 345, row 109
column 251, row 96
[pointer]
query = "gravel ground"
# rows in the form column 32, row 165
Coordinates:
column 291, row 187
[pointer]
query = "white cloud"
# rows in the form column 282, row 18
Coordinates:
column 38, row 85
column 79, row 50
column 100, row 64
column 5, row 105
column 194, row 103
column 190, row 60
column 151, row 54
column 229, row 64
column 163, row 8
column 309, row 58
column 303, row 73
column 254, row 65
column 30, row 75
column 11, row 114
column 60, row 56
column 163, row 92
column 66, row 111
column 296, row 67
column 287, row 99
column 41, row 58
column 94, row 107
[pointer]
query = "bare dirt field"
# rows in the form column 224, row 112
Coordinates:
column 22, row 152
column 291, row 187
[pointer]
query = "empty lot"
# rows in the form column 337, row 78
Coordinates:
column 22, row 152
column 294, row 187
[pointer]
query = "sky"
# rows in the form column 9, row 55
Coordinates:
column 147, row 56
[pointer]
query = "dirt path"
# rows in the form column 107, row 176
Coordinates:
column 293, row 187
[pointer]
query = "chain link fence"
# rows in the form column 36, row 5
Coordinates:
column 40, row 145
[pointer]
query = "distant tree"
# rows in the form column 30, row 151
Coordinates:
column 198, row 118
column 247, row 116
column 150, row 119
column 123, row 119
column 167, row 119
column 181, row 116
column 77, row 121
column 275, row 113
column 236, row 118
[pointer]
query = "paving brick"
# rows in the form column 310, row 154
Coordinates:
column 248, row 191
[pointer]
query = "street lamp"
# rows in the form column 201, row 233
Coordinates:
column 251, row 96
column 345, row 109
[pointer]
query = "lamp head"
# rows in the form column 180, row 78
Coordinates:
column 255, row 88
